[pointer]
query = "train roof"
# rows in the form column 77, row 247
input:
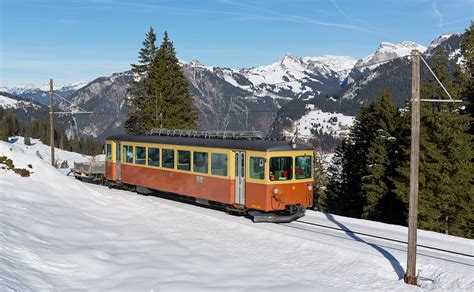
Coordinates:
column 255, row 145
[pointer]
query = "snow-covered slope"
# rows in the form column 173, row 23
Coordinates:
column 291, row 76
column 61, row 234
column 387, row 51
column 43, row 151
column 11, row 103
column 335, row 124
column 439, row 40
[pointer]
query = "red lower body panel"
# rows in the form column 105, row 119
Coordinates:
column 258, row 196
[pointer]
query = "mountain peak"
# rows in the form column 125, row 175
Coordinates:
column 387, row 51
column 290, row 58
column 439, row 40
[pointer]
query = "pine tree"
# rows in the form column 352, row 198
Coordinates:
column 146, row 55
column 161, row 95
column 320, row 183
column 4, row 128
column 172, row 89
column 467, row 48
column 140, row 86
column 343, row 193
column 360, row 183
column 446, row 168
column 381, row 162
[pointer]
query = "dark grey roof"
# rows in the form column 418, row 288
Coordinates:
column 256, row 145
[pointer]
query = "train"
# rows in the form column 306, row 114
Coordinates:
column 269, row 181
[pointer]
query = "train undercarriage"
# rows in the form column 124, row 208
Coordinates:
column 291, row 212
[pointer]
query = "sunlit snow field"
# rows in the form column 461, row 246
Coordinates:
column 58, row 233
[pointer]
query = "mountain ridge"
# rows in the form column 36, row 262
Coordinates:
column 250, row 98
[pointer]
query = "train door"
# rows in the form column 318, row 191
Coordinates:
column 117, row 159
column 240, row 177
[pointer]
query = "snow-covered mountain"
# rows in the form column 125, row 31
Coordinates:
column 41, row 93
column 387, row 51
column 249, row 98
column 288, row 78
column 440, row 40
column 360, row 86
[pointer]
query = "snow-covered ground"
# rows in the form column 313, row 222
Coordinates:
column 60, row 234
column 42, row 151
column 335, row 124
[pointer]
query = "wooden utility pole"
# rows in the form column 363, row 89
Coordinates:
column 410, row 276
column 51, row 120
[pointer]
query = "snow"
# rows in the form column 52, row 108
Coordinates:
column 288, row 74
column 387, row 51
column 29, row 88
column 335, row 63
column 296, row 68
column 59, row 233
column 43, row 151
column 74, row 86
column 7, row 102
column 336, row 124
column 439, row 40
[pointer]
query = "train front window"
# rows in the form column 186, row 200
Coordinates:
column 184, row 160
column 167, row 158
column 281, row 168
column 140, row 155
column 109, row 151
column 200, row 162
column 303, row 167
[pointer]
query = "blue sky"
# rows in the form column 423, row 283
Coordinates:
column 81, row 40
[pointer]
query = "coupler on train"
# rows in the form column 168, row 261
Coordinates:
column 291, row 213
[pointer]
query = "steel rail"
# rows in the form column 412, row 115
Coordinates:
column 384, row 238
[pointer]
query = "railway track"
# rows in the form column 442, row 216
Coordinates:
column 345, row 233
column 396, row 244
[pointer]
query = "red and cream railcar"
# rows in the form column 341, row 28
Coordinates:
column 269, row 180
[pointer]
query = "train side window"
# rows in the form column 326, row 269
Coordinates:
column 303, row 167
column 167, row 158
column 153, row 156
column 281, row 168
column 200, row 162
column 109, row 151
column 184, row 160
column 257, row 167
column 140, row 155
column 219, row 164
column 127, row 154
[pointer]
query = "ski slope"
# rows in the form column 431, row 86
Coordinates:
column 61, row 234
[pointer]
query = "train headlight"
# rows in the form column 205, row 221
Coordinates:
column 275, row 191
column 310, row 187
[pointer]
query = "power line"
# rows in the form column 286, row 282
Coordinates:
column 71, row 105
column 231, row 112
